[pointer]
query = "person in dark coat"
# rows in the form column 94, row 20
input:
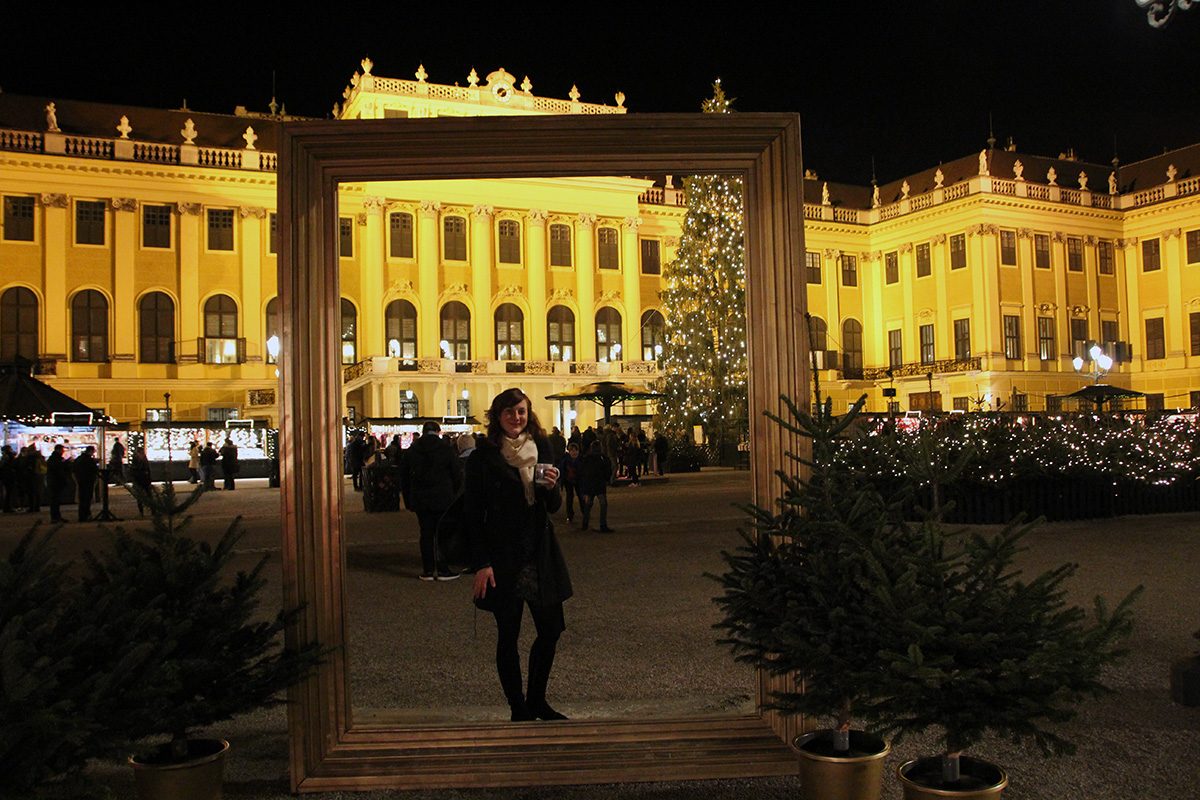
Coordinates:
column 355, row 456
column 229, row 463
column 8, row 476
column 432, row 479
column 208, row 465
column 87, row 470
column 139, row 475
column 393, row 452
column 568, row 470
column 661, row 448
column 514, row 551
column 116, row 462
column 28, row 479
column 595, row 471
column 56, row 482
column 558, row 444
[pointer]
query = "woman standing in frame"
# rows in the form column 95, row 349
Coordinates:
column 511, row 490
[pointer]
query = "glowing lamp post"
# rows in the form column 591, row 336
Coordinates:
column 1100, row 364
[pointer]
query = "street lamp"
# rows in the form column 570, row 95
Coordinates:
column 1100, row 364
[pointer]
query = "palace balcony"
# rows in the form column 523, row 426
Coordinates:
column 585, row 371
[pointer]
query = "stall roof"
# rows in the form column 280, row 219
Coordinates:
column 23, row 398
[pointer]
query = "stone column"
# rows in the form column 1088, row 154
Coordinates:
column 1175, row 325
column 428, row 263
column 483, row 334
column 985, row 311
column 1062, row 308
column 537, row 267
column 253, row 326
column 585, row 289
column 124, row 252
column 1091, row 268
column 631, row 347
column 55, row 231
column 372, row 270
column 190, row 231
column 1025, row 256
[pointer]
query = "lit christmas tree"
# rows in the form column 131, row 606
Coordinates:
column 704, row 361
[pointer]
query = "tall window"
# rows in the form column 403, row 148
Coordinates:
column 410, row 404
column 852, row 357
column 272, row 233
column 345, row 237
column 895, row 348
column 1193, row 246
column 156, row 226
column 221, row 330
column 273, row 331
column 1156, row 346
column 849, row 270
column 1194, row 324
column 220, row 229
column 89, row 326
column 454, row 238
column 607, row 248
column 654, row 335
column 1079, row 337
column 560, row 333
column 818, row 334
column 456, row 331
column 924, row 264
column 1041, row 251
column 89, row 222
column 927, row 351
column 962, row 339
column 891, row 267
column 560, row 245
column 1104, row 257
column 651, row 257
column 349, row 337
column 509, row 235
column 18, row 219
column 1008, row 248
column 812, row 265
column 608, row 334
column 400, row 329
column 1110, row 331
column 1012, row 336
column 958, row 251
column 510, row 333
column 1151, row 255
column 19, row 324
column 1074, row 254
column 156, row 328
column 400, row 235
column 1046, row 348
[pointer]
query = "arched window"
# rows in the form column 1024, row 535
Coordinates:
column 608, row 335
column 349, row 332
column 510, row 333
column 400, row 329
column 654, row 335
column 852, row 360
column 156, row 328
column 818, row 334
column 560, row 333
column 89, row 326
column 221, row 345
column 560, row 245
column 274, row 340
column 456, row 331
column 18, row 324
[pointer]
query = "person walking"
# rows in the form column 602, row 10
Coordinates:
column 116, row 462
column 139, row 476
column 229, row 463
column 511, row 491
column 568, row 470
column 208, row 465
column 661, row 448
column 56, row 482
column 194, row 462
column 8, row 476
column 87, row 471
column 595, row 471
column 355, row 456
column 432, row 479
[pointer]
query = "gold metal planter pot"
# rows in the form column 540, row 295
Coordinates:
column 981, row 780
column 198, row 778
column 825, row 776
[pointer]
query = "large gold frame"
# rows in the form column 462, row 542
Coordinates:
column 329, row 749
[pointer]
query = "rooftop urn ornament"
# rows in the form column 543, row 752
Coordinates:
column 1083, row 179
column 1112, row 183
column 189, row 132
column 620, row 98
column 52, row 119
column 574, row 93
column 251, row 137
column 367, row 64
column 938, row 178
column 1018, row 170
column 1052, row 176
column 825, row 193
column 904, row 189
column 526, row 86
column 421, row 74
column 124, row 128
column 1171, row 173
column 473, row 78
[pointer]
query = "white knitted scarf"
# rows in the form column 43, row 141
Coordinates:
column 522, row 454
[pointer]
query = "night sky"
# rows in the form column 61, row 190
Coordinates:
column 908, row 82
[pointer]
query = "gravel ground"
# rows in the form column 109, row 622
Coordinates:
column 639, row 641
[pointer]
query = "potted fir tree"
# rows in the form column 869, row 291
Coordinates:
column 214, row 658
column 808, row 593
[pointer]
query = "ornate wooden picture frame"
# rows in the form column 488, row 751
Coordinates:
column 332, row 751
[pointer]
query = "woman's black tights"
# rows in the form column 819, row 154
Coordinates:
column 548, row 622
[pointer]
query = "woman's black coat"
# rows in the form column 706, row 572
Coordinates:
column 495, row 514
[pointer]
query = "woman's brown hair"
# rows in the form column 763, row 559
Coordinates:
column 507, row 399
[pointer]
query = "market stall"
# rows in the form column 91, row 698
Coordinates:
column 168, row 444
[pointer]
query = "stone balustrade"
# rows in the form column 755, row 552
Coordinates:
column 642, row 371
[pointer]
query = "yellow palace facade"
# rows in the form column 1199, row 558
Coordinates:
column 138, row 258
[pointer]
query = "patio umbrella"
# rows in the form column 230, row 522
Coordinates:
column 1098, row 393
column 607, row 394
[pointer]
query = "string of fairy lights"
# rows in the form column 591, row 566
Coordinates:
column 704, row 357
